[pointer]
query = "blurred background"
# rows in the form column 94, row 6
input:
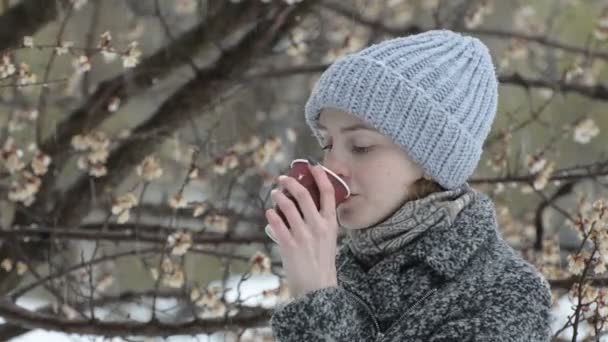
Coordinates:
column 141, row 138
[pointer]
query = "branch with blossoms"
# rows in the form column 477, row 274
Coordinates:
column 203, row 90
column 101, row 187
column 242, row 318
column 474, row 18
column 208, row 307
column 99, row 160
column 567, row 85
column 590, row 298
column 113, row 93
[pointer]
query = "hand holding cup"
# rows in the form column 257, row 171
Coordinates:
column 307, row 228
column 300, row 171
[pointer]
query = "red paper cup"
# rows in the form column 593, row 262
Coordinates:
column 299, row 171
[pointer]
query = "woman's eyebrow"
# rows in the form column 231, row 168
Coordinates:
column 354, row 127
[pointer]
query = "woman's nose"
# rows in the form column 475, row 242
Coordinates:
column 338, row 167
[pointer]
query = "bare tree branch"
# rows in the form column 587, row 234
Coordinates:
column 593, row 170
column 24, row 19
column 564, row 190
column 596, row 92
column 127, row 234
column 246, row 318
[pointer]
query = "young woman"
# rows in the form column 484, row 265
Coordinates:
column 403, row 123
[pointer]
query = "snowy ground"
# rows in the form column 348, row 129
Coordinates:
column 249, row 289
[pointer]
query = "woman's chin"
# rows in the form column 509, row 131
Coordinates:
column 346, row 221
column 342, row 220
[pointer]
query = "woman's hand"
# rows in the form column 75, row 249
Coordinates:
column 308, row 249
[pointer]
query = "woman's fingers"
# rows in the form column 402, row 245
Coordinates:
column 308, row 218
column 289, row 209
column 302, row 196
column 281, row 232
column 326, row 190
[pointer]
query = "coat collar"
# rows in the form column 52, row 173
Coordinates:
column 446, row 249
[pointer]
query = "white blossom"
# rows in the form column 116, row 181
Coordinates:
column 98, row 156
column 217, row 222
column 98, row 140
column 82, row 163
column 123, row 217
column 149, row 169
column 210, row 301
column 199, row 209
column 260, row 263
column 105, row 282
column 180, row 242
column 25, row 75
column 21, row 268
column 121, row 206
column 98, row 170
column 7, row 265
column 124, row 202
column 79, row 143
column 542, row 178
column 40, row 163
column 601, row 28
column 585, row 131
column 24, row 189
column 81, row 64
column 78, row 3
column 474, row 18
column 576, row 264
column 177, row 201
column 7, row 68
column 33, row 114
column 173, row 275
column 185, row 6
column 11, row 156
column 105, row 45
column 28, row 41
column 113, row 104
column 131, row 58
column 536, row 163
column 63, row 48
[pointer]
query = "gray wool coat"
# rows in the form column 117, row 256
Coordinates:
column 460, row 283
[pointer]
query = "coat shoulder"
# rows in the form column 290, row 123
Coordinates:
column 502, row 272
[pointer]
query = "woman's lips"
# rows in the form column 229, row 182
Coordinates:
column 349, row 197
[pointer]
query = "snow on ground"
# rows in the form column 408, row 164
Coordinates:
column 250, row 289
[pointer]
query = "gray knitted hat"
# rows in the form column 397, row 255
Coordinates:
column 434, row 94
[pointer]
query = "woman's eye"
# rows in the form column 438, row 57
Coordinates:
column 361, row 149
column 356, row 149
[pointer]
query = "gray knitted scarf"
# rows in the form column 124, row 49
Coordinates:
column 373, row 243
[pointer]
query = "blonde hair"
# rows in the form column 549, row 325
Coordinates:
column 422, row 188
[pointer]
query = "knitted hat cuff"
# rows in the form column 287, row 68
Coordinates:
column 400, row 111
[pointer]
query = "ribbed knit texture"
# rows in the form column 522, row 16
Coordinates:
column 435, row 94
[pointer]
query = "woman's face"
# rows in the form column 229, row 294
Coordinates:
column 378, row 172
